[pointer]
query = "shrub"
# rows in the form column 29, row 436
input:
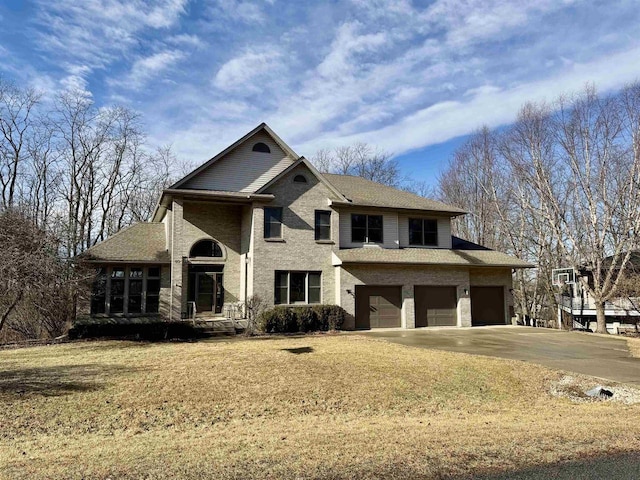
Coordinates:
column 306, row 319
column 331, row 317
column 302, row 319
column 153, row 331
column 278, row 320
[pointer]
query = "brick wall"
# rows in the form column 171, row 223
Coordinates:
column 406, row 277
column 298, row 249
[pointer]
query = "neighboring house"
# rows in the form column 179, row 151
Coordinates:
column 577, row 309
column 257, row 219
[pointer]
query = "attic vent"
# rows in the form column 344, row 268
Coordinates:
column 300, row 179
column 261, row 147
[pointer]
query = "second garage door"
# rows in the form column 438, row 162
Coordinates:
column 378, row 307
column 487, row 306
column 436, row 306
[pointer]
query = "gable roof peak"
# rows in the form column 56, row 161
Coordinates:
column 260, row 128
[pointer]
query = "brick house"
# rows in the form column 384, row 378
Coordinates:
column 257, row 219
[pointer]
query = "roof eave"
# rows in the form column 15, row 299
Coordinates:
column 450, row 213
column 441, row 264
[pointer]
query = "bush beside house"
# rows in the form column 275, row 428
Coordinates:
column 319, row 318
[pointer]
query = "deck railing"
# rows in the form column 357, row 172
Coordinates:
column 631, row 305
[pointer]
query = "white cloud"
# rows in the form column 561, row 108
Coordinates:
column 238, row 10
column 97, row 32
column 146, row 68
column 245, row 72
column 398, row 76
column 489, row 106
column 186, row 40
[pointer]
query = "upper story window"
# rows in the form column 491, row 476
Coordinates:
column 206, row 248
column 323, row 225
column 300, row 179
column 261, row 147
column 366, row 228
column 273, row 222
column 423, row 232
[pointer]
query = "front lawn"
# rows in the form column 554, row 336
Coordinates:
column 331, row 406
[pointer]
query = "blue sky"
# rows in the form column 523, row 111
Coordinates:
column 409, row 77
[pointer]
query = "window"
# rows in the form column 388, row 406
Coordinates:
column 135, row 290
column 423, row 231
column 299, row 179
column 126, row 290
column 99, row 297
column 206, row 248
column 117, row 290
column 261, row 147
column 273, row 222
column 323, row 225
column 153, row 290
column 366, row 228
column 297, row 287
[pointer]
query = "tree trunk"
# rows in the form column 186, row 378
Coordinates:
column 9, row 309
column 602, row 320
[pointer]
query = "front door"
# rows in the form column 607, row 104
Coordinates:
column 205, row 288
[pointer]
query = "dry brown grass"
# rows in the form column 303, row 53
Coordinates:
column 634, row 346
column 333, row 407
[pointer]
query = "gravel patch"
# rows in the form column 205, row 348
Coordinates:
column 575, row 388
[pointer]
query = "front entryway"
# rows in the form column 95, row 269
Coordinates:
column 206, row 289
column 378, row 307
column 436, row 306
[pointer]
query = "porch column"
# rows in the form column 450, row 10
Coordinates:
column 178, row 304
column 408, row 307
column 464, row 305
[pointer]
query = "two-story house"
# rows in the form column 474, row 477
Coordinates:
column 257, row 219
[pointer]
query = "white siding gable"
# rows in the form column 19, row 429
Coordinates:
column 243, row 170
column 389, row 228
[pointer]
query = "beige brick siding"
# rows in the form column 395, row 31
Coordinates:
column 407, row 277
column 298, row 249
column 218, row 222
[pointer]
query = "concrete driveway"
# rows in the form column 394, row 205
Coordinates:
column 584, row 353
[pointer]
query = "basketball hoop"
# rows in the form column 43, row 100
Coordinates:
column 563, row 276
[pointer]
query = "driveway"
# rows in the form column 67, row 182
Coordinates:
column 584, row 353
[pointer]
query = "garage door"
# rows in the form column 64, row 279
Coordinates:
column 436, row 306
column 487, row 306
column 378, row 307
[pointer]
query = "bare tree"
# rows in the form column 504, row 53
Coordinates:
column 470, row 182
column 587, row 188
column 16, row 121
column 361, row 160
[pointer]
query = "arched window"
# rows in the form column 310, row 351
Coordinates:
column 261, row 147
column 300, row 179
column 206, row 248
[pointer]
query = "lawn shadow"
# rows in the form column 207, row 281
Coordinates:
column 55, row 381
column 617, row 465
column 299, row 350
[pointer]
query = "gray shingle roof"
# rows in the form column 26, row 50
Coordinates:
column 431, row 256
column 141, row 242
column 363, row 192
